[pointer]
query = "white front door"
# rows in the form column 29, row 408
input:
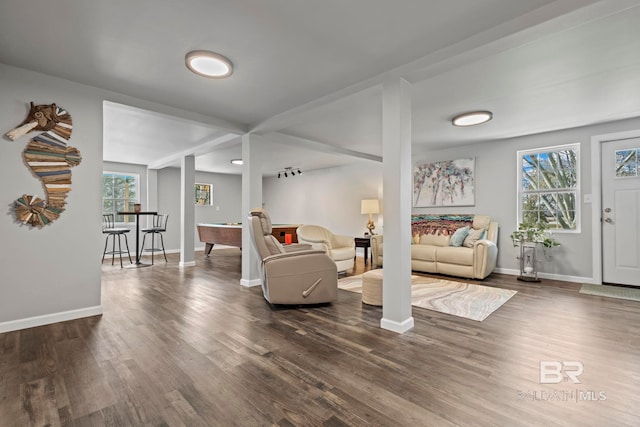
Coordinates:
column 621, row 211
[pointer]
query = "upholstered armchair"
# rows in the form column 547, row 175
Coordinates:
column 376, row 250
column 341, row 249
column 292, row 274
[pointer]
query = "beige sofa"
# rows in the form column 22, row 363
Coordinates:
column 431, row 253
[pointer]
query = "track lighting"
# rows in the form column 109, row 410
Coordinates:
column 289, row 170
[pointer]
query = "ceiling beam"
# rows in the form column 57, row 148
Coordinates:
column 295, row 141
column 199, row 150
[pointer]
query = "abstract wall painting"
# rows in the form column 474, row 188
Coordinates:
column 444, row 183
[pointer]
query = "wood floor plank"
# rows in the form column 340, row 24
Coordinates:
column 191, row 347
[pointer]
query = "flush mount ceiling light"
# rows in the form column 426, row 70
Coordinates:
column 236, row 161
column 472, row 118
column 208, row 64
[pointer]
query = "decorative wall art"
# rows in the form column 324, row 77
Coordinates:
column 445, row 183
column 49, row 158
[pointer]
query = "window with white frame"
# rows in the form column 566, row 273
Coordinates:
column 119, row 194
column 204, row 194
column 549, row 189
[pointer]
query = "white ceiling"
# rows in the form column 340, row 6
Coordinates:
column 308, row 74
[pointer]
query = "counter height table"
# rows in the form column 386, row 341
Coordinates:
column 138, row 252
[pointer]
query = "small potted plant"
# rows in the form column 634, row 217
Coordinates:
column 528, row 236
column 537, row 232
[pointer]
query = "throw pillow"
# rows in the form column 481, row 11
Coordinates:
column 458, row 237
column 473, row 236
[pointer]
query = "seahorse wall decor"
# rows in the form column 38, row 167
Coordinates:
column 49, row 158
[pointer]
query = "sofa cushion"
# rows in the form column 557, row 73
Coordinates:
column 481, row 222
column 455, row 255
column 435, row 240
column 424, row 252
column 473, row 236
column 458, row 237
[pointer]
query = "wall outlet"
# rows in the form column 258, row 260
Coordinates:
column 587, row 198
column 217, row 208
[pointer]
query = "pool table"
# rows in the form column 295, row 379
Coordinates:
column 231, row 234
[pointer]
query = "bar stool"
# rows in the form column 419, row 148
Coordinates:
column 108, row 228
column 159, row 226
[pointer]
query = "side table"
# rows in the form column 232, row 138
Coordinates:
column 364, row 242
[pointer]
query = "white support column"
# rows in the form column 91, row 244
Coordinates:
column 187, row 211
column 251, row 198
column 396, row 168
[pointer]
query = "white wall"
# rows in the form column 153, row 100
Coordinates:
column 496, row 193
column 328, row 197
column 52, row 273
column 227, row 193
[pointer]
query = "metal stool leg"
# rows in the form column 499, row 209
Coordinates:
column 120, row 249
column 113, row 249
column 165, row 254
column 106, row 242
column 126, row 242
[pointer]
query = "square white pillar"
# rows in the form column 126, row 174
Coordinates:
column 187, row 211
column 251, row 198
column 397, row 185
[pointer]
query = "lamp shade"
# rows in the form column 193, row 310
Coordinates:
column 370, row 206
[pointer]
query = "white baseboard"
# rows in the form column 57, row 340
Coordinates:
column 46, row 319
column 550, row 276
column 187, row 264
column 399, row 327
column 250, row 283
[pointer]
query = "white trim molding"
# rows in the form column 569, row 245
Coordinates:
column 398, row 327
column 250, row 283
column 46, row 319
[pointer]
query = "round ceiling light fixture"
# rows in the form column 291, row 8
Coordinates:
column 236, row 161
column 472, row 118
column 208, row 64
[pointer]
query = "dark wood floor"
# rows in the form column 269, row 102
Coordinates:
column 190, row 347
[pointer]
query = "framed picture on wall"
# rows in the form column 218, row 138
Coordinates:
column 444, row 183
column 204, row 194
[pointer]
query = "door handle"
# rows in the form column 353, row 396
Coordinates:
column 607, row 210
column 608, row 220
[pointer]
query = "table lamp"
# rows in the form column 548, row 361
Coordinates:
column 370, row 206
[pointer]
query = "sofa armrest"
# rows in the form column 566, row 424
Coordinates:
column 376, row 249
column 485, row 256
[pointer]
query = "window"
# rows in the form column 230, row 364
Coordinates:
column 549, row 187
column 119, row 193
column 204, row 194
column 628, row 163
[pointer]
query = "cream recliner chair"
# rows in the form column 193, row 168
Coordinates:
column 292, row 274
column 341, row 249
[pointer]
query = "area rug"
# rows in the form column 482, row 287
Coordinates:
column 620, row 292
column 475, row 302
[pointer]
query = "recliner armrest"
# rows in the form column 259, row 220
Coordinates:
column 296, row 247
column 271, row 258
